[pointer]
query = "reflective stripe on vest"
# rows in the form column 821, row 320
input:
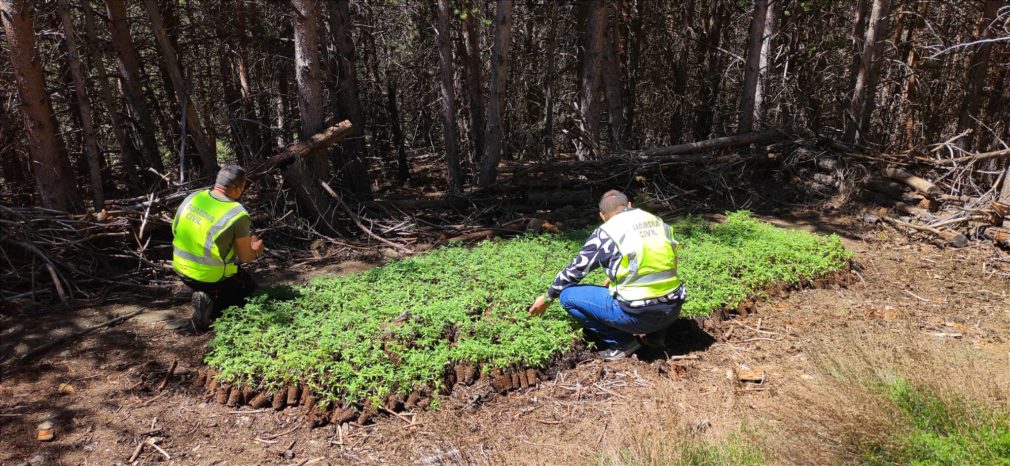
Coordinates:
column 648, row 267
column 195, row 252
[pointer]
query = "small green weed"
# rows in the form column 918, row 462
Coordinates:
column 400, row 327
column 943, row 431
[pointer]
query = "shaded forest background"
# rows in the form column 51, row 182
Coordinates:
column 92, row 92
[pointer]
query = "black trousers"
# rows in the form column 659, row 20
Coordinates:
column 231, row 291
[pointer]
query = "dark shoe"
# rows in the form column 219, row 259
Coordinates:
column 655, row 340
column 202, row 308
column 613, row 354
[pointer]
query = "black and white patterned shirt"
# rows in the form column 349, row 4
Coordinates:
column 600, row 250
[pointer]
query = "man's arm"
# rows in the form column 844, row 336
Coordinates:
column 247, row 247
column 596, row 252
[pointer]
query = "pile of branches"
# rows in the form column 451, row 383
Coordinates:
column 79, row 255
column 946, row 193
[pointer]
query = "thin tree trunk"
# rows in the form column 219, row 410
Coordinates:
column 403, row 169
column 83, row 105
column 680, row 61
column 130, row 78
column 978, row 71
column 204, row 142
column 474, row 83
column 448, row 98
column 499, row 79
column 864, row 89
column 53, row 176
column 127, row 149
column 771, row 29
column 712, row 77
column 858, row 39
column 611, row 71
column 752, row 68
column 352, row 151
column 910, row 85
column 549, row 61
column 305, row 174
column 589, row 111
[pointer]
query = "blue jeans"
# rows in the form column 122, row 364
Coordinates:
column 598, row 312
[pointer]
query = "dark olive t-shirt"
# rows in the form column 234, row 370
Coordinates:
column 239, row 229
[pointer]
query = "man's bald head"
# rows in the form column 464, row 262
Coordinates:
column 612, row 202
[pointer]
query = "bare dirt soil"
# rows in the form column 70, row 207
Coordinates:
column 931, row 314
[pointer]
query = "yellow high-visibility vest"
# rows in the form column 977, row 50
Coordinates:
column 200, row 220
column 648, row 266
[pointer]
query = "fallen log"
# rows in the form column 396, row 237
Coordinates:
column 952, row 238
column 757, row 137
column 916, row 183
column 318, row 141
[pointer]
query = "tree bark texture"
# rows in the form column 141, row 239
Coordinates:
column 864, row 89
column 752, row 67
column 549, row 71
column 587, row 142
column 91, row 149
column 130, row 78
column 474, row 83
column 612, row 81
column 53, row 176
column 708, row 47
column 352, row 152
column 499, row 80
column 305, row 174
column 451, row 133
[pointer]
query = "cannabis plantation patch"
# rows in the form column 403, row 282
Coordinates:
column 400, row 327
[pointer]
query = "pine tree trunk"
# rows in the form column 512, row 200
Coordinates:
column 549, row 60
column 53, row 177
column 978, row 71
column 305, row 174
column 355, row 168
column 864, row 89
column 403, row 169
column 771, row 28
column 127, row 149
column 499, row 79
column 587, row 143
column 712, row 77
column 448, row 98
column 83, row 106
column 611, row 71
column 129, row 73
column 204, row 142
column 910, row 85
column 752, row 68
column 474, row 82
column 680, row 60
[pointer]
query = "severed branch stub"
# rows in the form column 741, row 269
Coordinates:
column 318, row 141
column 918, row 184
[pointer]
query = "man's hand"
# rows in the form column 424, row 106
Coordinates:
column 606, row 282
column 539, row 306
column 257, row 245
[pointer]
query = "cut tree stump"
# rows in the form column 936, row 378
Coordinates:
column 916, row 183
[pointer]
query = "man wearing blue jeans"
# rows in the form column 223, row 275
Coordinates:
column 641, row 296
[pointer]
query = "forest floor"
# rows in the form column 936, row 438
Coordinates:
column 934, row 316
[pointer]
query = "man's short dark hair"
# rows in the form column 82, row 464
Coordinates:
column 230, row 175
column 612, row 200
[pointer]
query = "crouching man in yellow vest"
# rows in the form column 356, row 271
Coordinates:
column 641, row 295
column 211, row 237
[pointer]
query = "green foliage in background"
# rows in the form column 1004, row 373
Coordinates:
column 400, row 327
column 944, row 431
